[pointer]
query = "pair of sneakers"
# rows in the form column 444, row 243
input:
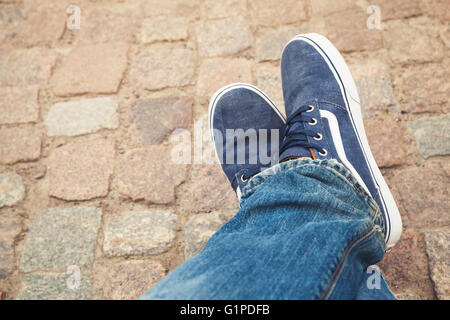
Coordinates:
column 323, row 122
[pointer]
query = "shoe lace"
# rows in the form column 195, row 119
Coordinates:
column 296, row 134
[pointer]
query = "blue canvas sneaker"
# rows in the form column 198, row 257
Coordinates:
column 246, row 128
column 324, row 119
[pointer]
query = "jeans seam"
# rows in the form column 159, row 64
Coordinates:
column 335, row 276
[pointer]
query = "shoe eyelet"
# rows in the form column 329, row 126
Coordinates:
column 311, row 108
column 318, row 137
column 313, row 122
column 325, row 152
column 243, row 179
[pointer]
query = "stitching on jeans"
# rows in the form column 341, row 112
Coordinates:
column 335, row 277
column 326, row 165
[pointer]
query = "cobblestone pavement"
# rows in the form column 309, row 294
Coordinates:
column 90, row 205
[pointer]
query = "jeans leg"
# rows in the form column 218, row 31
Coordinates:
column 305, row 230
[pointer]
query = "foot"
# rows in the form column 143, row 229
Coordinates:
column 246, row 128
column 324, row 119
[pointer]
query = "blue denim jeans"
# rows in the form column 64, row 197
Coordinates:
column 305, row 230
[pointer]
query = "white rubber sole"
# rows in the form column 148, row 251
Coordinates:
column 349, row 91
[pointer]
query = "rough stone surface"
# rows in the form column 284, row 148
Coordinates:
column 61, row 237
column 263, row 12
column 198, row 230
column 150, row 174
column 41, row 286
column 44, row 21
column 19, row 144
column 408, row 296
column 268, row 78
column 10, row 229
column 19, row 104
column 214, row 9
column 210, row 190
column 218, row 72
column 161, row 28
column 425, row 88
column 10, row 20
column 411, row 41
column 398, row 9
column 432, row 135
column 438, row 9
column 222, row 37
column 130, row 279
column 12, row 189
column 81, row 170
column 348, row 31
column 162, row 65
column 175, row 8
column 82, row 116
column 26, row 66
column 386, row 142
column 118, row 23
column 437, row 243
column 323, row 8
column 156, row 118
column 139, row 233
column 404, row 267
column 374, row 87
column 423, row 195
column 97, row 68
column 270, row 42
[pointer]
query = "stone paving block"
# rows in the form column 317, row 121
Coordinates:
column 139, row 233
column 156, row 118
column 44, row 21
column 222, row 37
column 61, row 237
column 10, row 23
column 12, row 189
column 162, row 65
column 268, row 78
column 374, row 85
column 41, row 286
column 445, row 34
column 437, row 243
column 81, row 170
column 199, row 229
column 423, row 194
column 26, row 66
column 210, row 190
column 214, row 9
column 176, row 8
column 323, row 8
column 108, row 23
column 82, row 116
column 386, row 142
column 272, row 12
column 218, row 72
column 347, row 30
column 130, row 279
column 404, row 265
column 432, row 135
column 19, row 104
column 97, row 68
column 425, row 88
column 10, row 229
column 19, row 144
column 398, row 9
column 270, row 42
column 409, row 41
column 163, row 28
column 150, row 174
column 437, row 9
